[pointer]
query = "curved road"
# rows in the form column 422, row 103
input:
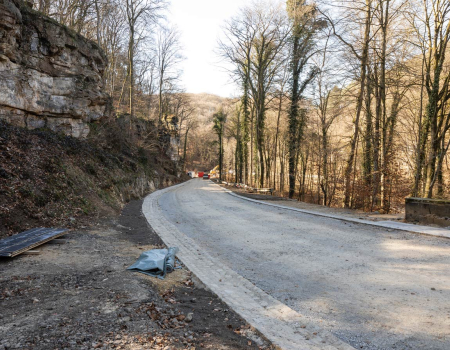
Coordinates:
column 371, row 288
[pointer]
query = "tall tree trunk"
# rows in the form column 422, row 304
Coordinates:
column 246, row 121
column 160, row 97
column 385, row 181
column 260, row 144
column 131, row 70
column 260, row 125
column 376, row 139
column 220, row 157
column 368, row 136
column 123, row 88
column 97, row 10
column 185, row 149
column 325, row 180
column 359, row 102
column 431, row 113
column 251, row 147
column 385, row 145
column 294, row 133
column 276, row 141
column 421, row 141
column 239, row 168
column 282, row 166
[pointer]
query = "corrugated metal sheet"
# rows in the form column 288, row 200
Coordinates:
column 17, row 244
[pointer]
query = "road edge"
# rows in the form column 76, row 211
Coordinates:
column 424, row 230
column 281, row 325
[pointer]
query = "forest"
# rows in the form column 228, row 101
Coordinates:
column 342, row 103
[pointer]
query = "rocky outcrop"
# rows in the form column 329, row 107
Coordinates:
column 49, row 75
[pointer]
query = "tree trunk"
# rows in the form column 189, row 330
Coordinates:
column 251, row 147
column 368, row 156
column 276, row 141
column 184, row 149
column 431, row 113
column 220, row 157
column 245, row 122
column 131, row 71
column 388, row 125
column 354, row 139
column 421, row 141
column 293, row 118
column 324, row 184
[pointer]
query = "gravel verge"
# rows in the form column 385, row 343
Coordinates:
column 78, row 295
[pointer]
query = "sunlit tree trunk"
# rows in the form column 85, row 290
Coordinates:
column 354, row 139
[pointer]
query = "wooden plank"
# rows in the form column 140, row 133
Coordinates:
column 32, row 252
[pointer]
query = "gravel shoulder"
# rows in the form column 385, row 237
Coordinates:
column 351, row 213
column 78, row 295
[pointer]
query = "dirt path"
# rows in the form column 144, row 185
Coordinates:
column 78, row 295
column 372, row 287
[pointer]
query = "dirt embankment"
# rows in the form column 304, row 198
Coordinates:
column 48, row 179
column 79, row 295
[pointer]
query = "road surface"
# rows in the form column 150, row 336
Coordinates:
column 371, row 287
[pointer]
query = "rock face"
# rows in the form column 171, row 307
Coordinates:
column 49, row 75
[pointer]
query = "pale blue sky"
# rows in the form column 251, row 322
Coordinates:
column 199, row 22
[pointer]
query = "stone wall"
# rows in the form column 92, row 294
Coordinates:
column 428, row 211
column 49, row 76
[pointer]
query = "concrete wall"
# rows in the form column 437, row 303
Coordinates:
column 428, row 211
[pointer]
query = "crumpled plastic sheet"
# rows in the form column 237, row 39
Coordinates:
column 156, row 262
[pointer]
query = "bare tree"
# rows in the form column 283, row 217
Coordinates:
column 266, row 61
column 329, row 102
column 140, row 15
column 359, row 47
column 236, row 48
column 303, row 27
column 219, row 120
column 168, row 56
column 432, row 25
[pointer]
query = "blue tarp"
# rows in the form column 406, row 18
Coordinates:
column 156, row 262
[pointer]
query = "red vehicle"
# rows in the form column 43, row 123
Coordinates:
column 200, row 174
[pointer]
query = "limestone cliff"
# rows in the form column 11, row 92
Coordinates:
column 49, row 76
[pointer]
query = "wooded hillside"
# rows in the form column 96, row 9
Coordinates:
column 342, row 103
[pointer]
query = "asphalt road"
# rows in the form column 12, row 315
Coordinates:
column 371, row 287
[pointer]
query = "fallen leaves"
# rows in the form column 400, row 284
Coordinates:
column 165, row 318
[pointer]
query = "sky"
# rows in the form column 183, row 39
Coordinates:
column 199, row 22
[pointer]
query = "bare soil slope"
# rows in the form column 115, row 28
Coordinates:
column 48, row 179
